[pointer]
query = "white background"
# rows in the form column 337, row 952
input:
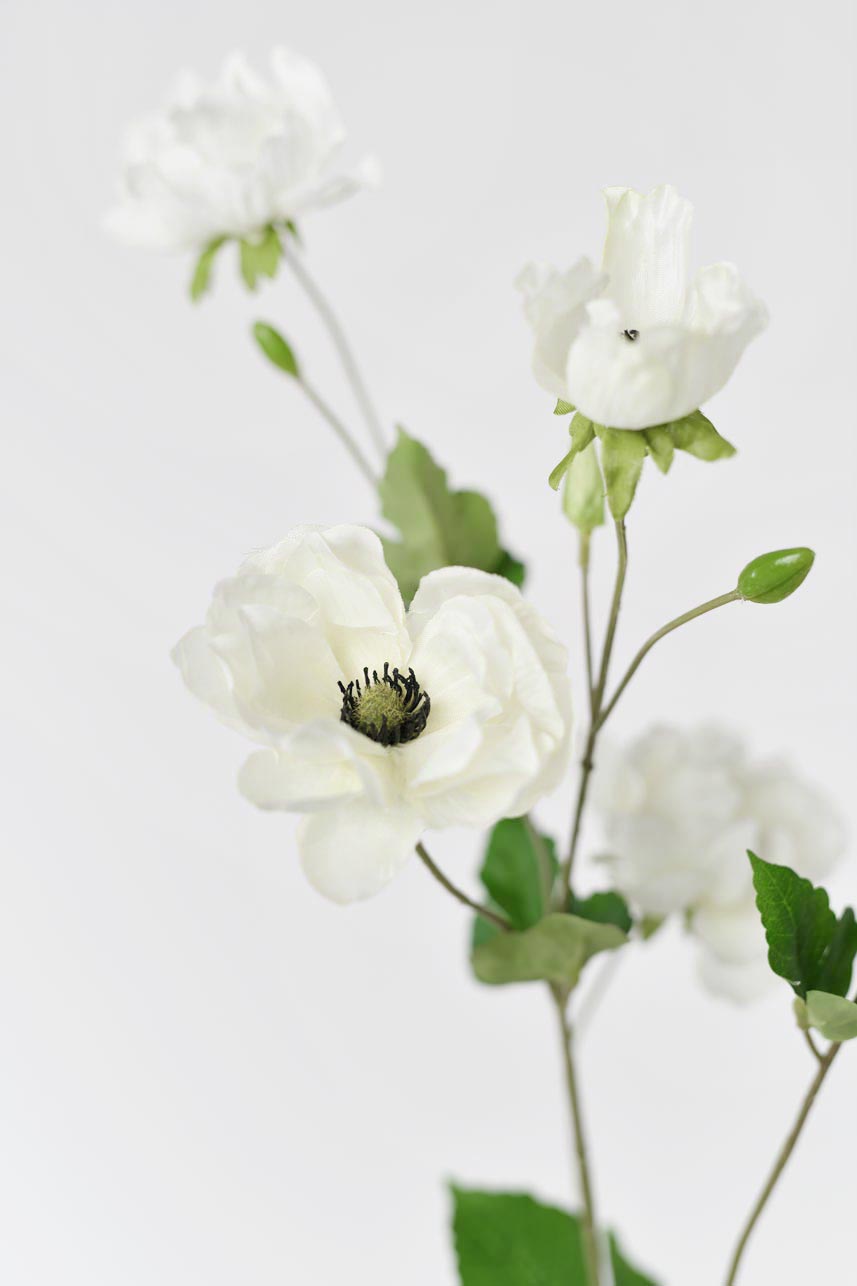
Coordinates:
column 210, row 1076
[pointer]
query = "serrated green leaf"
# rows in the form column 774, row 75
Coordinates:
column 608, row 907
column 508, row 1239
column 659, row 440
column 276, row 348
column 439, row 527
column 834, row 1016
column 697, row 435
column 807, row 944
column 260, row 258
column 622, row 454
column 201, row 279
column 554, row 950
column 512, row 870
column 563, row 408
column 624, row 1274
column 581, row 431
column 583, row 493
column 511, row 568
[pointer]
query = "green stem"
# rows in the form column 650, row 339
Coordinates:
column 340, row 430
column 500, row 921
column 342, row 346
column 587, row 763
column 780, row 1163
column 588, row 1219
column 732, row 597
column 587, row 615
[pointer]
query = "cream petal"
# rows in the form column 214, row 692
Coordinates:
column 740, row 983
column 646, row 255
column 322, row 763
column 555, row 306
column 351, row 852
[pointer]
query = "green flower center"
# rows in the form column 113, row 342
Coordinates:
column 391, row 708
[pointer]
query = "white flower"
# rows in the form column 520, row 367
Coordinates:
column 639, row 343
column 229, row 158
column 375, row 722
column 680, row 810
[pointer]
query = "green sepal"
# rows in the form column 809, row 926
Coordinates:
column 772, row 577
column 200, row 282
column 607, row 907
column 277, row 350
column 439, row 527
column 260, row 258
column 563, row 408
column 807, row 944
column 833, row 1016
column 696, row 434
column 554, row 950
column 622, row 454
column 509, row 1239
column 582, row 431
column 661, row 446
column 583, row 492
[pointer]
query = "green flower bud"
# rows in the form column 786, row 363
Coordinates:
column 275, row 348
column 772, row 577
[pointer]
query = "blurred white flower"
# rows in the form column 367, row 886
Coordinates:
column 680, row 809
column 639, row 343
column 232, row 157
column 375, row 722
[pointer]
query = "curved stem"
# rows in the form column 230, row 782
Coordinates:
column 340, row 430
column 780, row 1163
column 588, row 1219
column 587, row 615
column 587, row 763
column 732, row 597
column 342, row 346
column 499, row 920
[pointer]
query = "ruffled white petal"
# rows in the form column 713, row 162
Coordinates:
column 322, row 764
column 646, row 255
column 555, row 306
column 352, row 852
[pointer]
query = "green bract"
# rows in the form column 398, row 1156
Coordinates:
column 439, row 527
column 772, row 577
column 583, row 493
column 807, row 944
column 276, row 349
column 260, row 258
column 201, row 279
column 833, row 1016
column 554, row 950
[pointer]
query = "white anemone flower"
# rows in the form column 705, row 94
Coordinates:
column 232, row 157
column 375, row 722
column 639, row 342
column 680, row 810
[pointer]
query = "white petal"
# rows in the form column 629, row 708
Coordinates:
column 741, row 983
column 323, row 763
column 734, row 934
column 353, row 851
column 646, row 255
column 555, row 306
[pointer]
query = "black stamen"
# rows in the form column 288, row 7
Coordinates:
column 631, row 334
column 414, row 706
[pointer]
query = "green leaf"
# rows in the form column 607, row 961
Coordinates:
column 512, row 870
column 661, row 446
column 276, row 349
column 260, row 258
column 622, row 454
column 508, row 1239
column 200, row 282
column 807, row 944
column 512, row 568
column 439, row 527
column 772, row 577
column 563, row 408
column 554, row 950
column 583, row 494
column 834, row 1016
column 608, row 907
column 698, row 436
column 623, row 1272
column 581, row 432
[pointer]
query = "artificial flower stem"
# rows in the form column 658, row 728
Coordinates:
column 486, row 914
column 588, row 1220
column 732, row 597
column 587, row 614
column 340, row 430
column 815, row 1051
column 342, row 346
column 780, row 1163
